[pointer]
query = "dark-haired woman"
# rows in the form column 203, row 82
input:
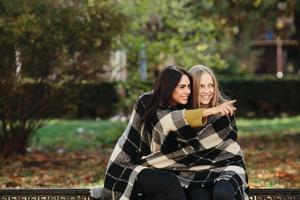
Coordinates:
column 126, row 176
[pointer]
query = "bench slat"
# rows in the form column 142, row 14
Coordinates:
column 84, row 194
column 56, row 191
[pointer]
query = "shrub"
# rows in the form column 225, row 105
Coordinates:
column 265, row 97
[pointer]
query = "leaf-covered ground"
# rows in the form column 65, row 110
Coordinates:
column 272, row 161
column 41, row 169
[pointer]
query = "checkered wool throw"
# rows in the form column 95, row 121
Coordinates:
column 199, row 157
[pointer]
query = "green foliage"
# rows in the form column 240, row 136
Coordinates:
column 96, row 100
column 171, row 32
column 218, row 34
column 263, row 97
column 130, row 91
column 49, row 41
column 85, row 100
column 60, row 39
column 256, row 97
column 214, row 33
column 21, row 110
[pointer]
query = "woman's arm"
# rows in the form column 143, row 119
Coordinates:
column 172, row 121
column 195, row 117
column 198, row 117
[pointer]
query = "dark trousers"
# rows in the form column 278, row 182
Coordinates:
column 152, row 184
column 222, row 190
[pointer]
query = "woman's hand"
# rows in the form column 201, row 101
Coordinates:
column 226, row 108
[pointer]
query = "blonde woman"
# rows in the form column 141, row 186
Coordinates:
column 227, row 179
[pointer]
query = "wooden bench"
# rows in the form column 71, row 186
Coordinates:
column 85, row 194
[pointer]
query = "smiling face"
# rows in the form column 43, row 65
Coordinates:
column 181, row 92
column 206, row 90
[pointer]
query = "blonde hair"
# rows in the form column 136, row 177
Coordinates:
column 197, row 71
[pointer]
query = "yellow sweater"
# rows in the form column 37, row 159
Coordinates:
column 194, row 117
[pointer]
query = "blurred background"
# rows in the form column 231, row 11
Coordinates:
column 71, row 71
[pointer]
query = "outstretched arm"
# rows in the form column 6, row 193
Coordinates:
column 226, row 108
column 198, row 117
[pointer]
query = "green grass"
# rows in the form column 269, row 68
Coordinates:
column 269, row 126
column 81, row 134
column 76, row 134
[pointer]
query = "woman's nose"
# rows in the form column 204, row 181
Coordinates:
column 205, row 89
column 188, row 90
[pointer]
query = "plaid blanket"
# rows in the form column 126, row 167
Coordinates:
column 199, row 157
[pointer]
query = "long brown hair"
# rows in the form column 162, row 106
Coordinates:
column 196, row 72
column 163, row 87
